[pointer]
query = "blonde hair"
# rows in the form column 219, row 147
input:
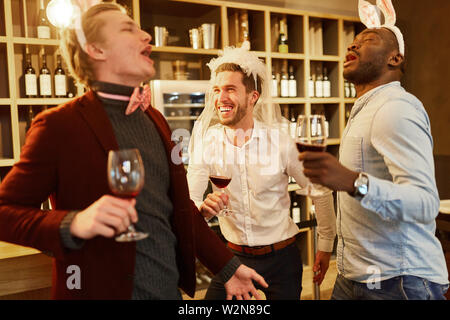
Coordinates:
column 76, row 58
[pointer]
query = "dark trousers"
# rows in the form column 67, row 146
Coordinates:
column 281, row 269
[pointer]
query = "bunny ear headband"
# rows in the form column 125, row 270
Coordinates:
column 370, row 17
column 81, row 6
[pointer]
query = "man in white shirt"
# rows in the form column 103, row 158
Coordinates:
column 261, row 157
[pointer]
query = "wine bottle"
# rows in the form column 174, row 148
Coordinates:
column 295, row 212
column 352, row 90
column 45, row 81
column 283, row 44
column 292, row 126
column 244, row 33
column 284, row 84
column 30, row 78
column 60, row 79
column 283, row 38
column 311, row 87
column 326, row 84
column 274, row 85
column 319, row 84
column 43, row 27
column 346, row 89
column 30, row 116
column 292, row 82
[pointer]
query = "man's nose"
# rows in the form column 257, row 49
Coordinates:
column 223, row 96
column 146, row 37
column 352, row 47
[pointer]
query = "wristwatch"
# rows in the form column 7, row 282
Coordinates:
column 361, row 185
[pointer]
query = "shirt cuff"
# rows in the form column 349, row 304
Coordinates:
column 325, row 245
column 69, row 241
column 229, row 270
column 374, row 198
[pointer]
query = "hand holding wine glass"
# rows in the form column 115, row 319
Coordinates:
column 126, row 180
column 311, row 136
column 221, row 179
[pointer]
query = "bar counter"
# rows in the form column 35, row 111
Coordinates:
column 25, row 273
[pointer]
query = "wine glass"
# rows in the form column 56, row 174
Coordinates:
column 311, row 136
column 126, row 180
column 221, row 178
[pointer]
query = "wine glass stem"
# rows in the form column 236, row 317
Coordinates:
column 223, row 192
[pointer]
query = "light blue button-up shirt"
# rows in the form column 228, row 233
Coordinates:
column 391, row 231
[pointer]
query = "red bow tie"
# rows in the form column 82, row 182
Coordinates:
column 141, row 98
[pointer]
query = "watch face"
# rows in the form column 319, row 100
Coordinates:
column 362, row 189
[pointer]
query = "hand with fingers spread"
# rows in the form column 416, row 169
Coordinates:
column 241, row 286
column 213, row 203
column 324, row 169
column 106, row 217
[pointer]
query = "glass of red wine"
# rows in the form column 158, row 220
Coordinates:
column 126, row 180
column 311, row 136
column 221, row 179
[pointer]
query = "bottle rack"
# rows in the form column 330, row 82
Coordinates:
column 314, row 40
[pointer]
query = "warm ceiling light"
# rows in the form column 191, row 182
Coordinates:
column 60, row 13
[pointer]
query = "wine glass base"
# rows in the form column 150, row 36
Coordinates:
column 226, row 213
column 315, row 191
column 131, row 236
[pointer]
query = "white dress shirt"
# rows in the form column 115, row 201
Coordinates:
column 258, row 190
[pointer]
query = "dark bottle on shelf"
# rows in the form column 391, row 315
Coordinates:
column 60, row 79
column 45, row 81
column 43, row 27
column 30, row 116
column 30, row 78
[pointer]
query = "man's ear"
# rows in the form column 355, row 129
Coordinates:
column 254, row 97
column 395, row 60
column 95, row 52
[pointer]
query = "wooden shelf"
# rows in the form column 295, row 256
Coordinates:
column 326, row 58
column 42, row 101
column 281, row 100
column 6, row 162
column 36, row 41
column 324, row 100
column 172, row 118
column 185, row 50
column 289, row 56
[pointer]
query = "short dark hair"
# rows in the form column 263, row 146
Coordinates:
column 393, row 42
column 248, row 81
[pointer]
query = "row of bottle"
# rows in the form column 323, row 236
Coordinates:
column 349, row 90
column 319, row 85
column 284, row 85
column 45, row 79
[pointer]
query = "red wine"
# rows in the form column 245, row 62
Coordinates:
column 302, row 147
column 126, row 194
column 220, row 181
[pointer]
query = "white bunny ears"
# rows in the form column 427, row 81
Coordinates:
column 370, row 17
column 82, row 6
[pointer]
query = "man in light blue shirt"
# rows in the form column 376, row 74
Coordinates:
column 387, row 195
